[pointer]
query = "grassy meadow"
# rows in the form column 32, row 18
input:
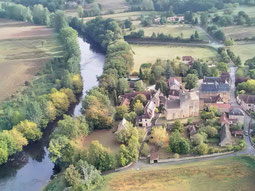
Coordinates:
column 235, row 174
column 244, row 50
column 239, row 32
column 24, row 49
column 105, row 137
column 123, row 16
column 150, row 53
column 173, row 29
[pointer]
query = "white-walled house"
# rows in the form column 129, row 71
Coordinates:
column 247, row 102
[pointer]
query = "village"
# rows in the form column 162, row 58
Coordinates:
column 204, row 115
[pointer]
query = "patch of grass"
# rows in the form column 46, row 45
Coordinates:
column 123, row 16
column 24, row 49
column 173, row 29
column 235, row 174
column 150, row 53
column 239, row 32
column 244, row 50
column 106, row 137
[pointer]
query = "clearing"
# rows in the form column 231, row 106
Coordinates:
column 105, row 137
column 150, row 53
column 123, row 16
column 244, row 49
column 239, row 32
column 235, row 174
column 173, row 29
column 24, row 49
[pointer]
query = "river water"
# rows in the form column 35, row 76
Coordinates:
column 31, row 169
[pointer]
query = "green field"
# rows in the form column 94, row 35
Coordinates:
column 248, row 9
column 173, row 29
column 229, row 174
column 244, row 50
column 239, row 32
column 24, row 49
column 150, row 53
column 123, row 16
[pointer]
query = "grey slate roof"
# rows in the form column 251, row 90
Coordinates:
column 215, row 87
column 171, row 104
column 236, row 111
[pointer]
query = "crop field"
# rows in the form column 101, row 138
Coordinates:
column 105, row 137
column 245, row 50
column 175, row 30
column 235, row 174
column 24, row 49
column 150, row 53
column 239, row 32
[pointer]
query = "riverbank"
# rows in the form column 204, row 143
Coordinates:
column 21, row 172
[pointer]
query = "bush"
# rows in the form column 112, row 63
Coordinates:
column 176, row 156
column 178, row 144
column 201, row 149
column 146, row 149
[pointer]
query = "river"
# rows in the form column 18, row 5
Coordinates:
column 31, row 169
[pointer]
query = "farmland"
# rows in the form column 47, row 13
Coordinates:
column 239, row 32
column 234, row 174
column 24, row 49
column 149, row 53
column 175, row 30
column 244, row 50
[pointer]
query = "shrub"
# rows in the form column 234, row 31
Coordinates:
column 201, row 149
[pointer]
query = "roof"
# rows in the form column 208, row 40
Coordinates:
column 213, row 99
column 221, row 105
column 187, row 58
column 172, row 104
column 192, row 130
column 122, row 125
column 215, row 87
column 248, row 99
column 172, row 79
column 236, row 111
column 237, row 132
column 224, row 78
column 225, row 137
column 224, row 119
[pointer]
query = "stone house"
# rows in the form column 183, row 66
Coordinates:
column 247, row 102
column 187, row 105
column 215, row 101
column 236, row 115
column 214, row 86
column 188, row 59
column 149, row 111
column 175, row 86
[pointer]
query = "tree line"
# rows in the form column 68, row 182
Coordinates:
column 50, row 95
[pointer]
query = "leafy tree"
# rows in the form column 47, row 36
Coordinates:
column 123, row 156
column 223, row 67
column 210, row 131
column 80, row 11
column 58, row 20
column 29, row 129
column 60, row 101
column 178, row 144
column 82, row 176
column 120, row 112
column 127, row 23
column 131, row 117
column 159, row 136
column 197, row 139
column 41, row 15
column 191, row 81
column 100, row 157
column 146, row 149
column 77, row 83
column 123, row 86
column 178, row 126
column 204, row 19
column 124, row 135
column 139, row 86
column 138, row 108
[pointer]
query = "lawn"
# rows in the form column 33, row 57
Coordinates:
column 105, row 137
column 239, row 32
column 24, row 49
column 150, row 53
column 244, row 50
column 173, row 29
column 235, row 174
